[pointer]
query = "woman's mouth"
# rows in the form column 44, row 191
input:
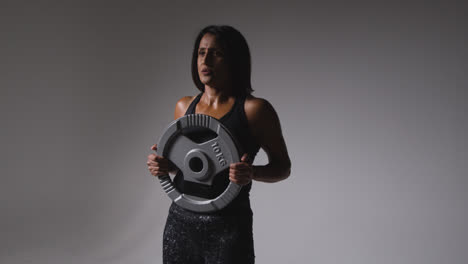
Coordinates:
column 206, row 71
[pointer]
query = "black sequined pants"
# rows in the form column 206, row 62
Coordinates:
column 193, row 238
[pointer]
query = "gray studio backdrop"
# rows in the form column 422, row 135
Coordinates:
column 371, row 98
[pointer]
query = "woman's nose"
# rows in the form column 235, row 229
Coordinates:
column 207, row 57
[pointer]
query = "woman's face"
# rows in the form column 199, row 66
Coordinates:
column 212, row 68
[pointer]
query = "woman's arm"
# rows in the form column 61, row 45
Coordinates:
column 265, row 127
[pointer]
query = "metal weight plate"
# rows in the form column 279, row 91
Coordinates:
column 199, row 162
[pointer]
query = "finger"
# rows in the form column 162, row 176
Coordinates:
column 155, row 157
column 235, row 165
column 164, row 165
column 154, row 147
column 239, row 165
column 240, row 181
column 234, row 179
column 240, row 175
column 240, row 172
column 245, row 157
column 158, row 159
column 158, row 168
column 161, row 159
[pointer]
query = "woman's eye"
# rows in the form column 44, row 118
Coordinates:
column 215, row 53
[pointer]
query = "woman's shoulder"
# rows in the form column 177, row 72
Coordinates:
column 256, row 107
column 182, row 105
column 262, row 119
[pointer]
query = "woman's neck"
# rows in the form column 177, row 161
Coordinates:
column 213, row 96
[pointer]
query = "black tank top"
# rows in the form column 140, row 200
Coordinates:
column 236, row 122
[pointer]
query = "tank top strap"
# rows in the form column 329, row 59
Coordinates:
column 238, row 107
column 191, row 108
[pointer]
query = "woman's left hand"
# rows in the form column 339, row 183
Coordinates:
column 241, row 172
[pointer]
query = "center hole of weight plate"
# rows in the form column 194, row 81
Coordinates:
column 196, row 164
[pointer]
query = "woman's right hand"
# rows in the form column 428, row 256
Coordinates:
column 157, row 165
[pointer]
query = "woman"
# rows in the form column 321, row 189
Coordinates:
column 221, row 70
